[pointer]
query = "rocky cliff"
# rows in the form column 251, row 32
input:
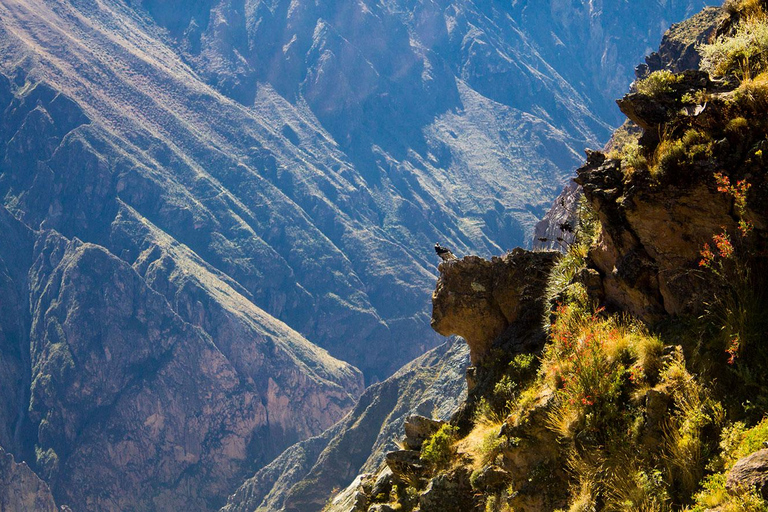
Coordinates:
column 134, row 411
column 303, row 477
column 480, row 300
column 641, row 387
column 21, row 489
column 196, row 196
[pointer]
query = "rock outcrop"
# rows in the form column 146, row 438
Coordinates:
column 21, row 490
column 750, row 473
column 654, row 228
column 678, row 50
column 479, row 299
column 190, row 189
column 611, row 398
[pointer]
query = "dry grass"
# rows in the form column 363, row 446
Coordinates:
column 752, row 94
column 482, row 445
column 744, row 55
column 746, row 8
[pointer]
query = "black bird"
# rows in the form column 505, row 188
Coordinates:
column 444, row 253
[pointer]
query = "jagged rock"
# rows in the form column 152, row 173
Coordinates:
column 406, row 465
column 490, row 478
column 381, row 507
column 651, row 238
column 592, row 282
column 21, row 490
column 751, row 472
column 679, row 46
column 656, row 405
column 418, row 429
column 657, row 402
column 382, row 486
column 650, row 112
column 448, row 492
column 535, row 452
column 479, row 299
column 557, row 229
column 360, row 502
column 303, row 477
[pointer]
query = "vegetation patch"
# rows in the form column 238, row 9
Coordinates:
column 743, row 55
column 658, row 83
column 438, row 450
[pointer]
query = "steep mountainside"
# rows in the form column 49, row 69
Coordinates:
column 354, row 138
column 192, row 192
column 303, row 477
column 628, row 372
column 138, row 410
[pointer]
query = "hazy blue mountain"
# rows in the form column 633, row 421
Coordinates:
column 196, row 196
column 427, row 101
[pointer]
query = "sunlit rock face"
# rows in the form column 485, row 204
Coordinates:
column 479, row 299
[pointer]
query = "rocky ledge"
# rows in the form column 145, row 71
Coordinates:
column 479, row 299
column 21, row 490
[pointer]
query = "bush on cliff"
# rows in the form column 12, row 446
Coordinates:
column 657, row 83
column 438, row 450
column 744, row 55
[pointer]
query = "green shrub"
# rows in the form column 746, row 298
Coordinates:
column 490, row 447
column 638, row 490
column 737, row 125
column 752, row 94
column 714, row 496
column 670, row 154
column 744, row 55
column 657, row 83
column 687, row 447
column 632, row 157
column 438, row 450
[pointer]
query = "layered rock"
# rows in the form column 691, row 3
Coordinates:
column 129, row 405
column 653, row 229
column 678, row 50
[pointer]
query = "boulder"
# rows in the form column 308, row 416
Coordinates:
column 418, row 429
column 382, row 486
column 406, row 465
column 491, row 477
column 649, row 112
column 751, row 472
column 448, row 492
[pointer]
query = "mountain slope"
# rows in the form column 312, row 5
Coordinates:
column 129, row 385
column 137, row 410
column 311, row 162
column 177, row 244
column 303, row 477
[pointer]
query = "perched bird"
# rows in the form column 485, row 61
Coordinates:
column 444, row 253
